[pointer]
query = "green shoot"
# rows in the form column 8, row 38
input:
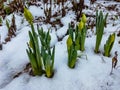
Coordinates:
column 109, row 44
column 100, row 24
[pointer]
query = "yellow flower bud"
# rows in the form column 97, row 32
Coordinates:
column 69, row 41
column 28, row 15
column 30, row 44
column 112, row 38
column 80, row 25
column 84, row 18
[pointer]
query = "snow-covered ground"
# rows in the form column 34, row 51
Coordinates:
column 90, row 74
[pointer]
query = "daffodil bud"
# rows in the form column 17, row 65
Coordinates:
column 30, row 44
column 69, row 42
column 28, row 15
column 80, row 25
column 112, row 38
column 84, row 18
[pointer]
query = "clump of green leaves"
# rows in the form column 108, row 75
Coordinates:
column 76, row 41
column 100, row 24
column 109, row 44
column 41, row 59
column 33, row 52
column 46, row 52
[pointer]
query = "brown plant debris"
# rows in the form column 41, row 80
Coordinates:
column 114, row 62
column 27, row 69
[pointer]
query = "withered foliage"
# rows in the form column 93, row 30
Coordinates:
column 78, row 7
column 27, row 69
column 11, row 30
column 48, row 10
column 17, row 5
column 13, row 6
column 118, row 34
column 117, row 0
column 114, row 62
column 92, row 1
column 0, row 44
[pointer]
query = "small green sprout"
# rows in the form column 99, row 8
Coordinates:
column 109, row 44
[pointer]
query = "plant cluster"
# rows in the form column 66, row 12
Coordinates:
column 76, row 41
column 46, row 53
column 100, row 24
column 81, row 33
column 41, row 59
column 71, row 49
column 33, row 52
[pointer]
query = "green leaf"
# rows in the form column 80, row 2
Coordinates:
column 52, row 57
column 73, row 59
column 48, row 68
column 7, row 24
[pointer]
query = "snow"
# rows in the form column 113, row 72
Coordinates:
column 68, row 18
column 36, row 11
column 3, row 32
column 90, row 74
column 54, row 39
column 62, row 31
